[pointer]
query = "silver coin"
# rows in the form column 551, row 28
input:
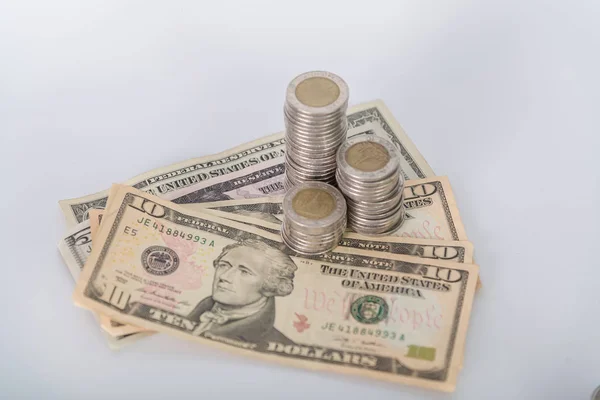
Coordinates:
column 387, row 184
column 322, row 173
column 372, row 209
column 378, row 232
column 300, row 121
column 325, row 172
column 371, row 195
column 316, row 113
column 299, row 176
column 320, row 155
column 316, row 131
column 306, row 250
column 370, row 226
column 302, row 165
column 302, row 237
column 308, row 158
column 291, row 182
column 299, row 115
column 381, row 205
column 373, row 212
column 315, row 143
column 375, row 215
column 313, row 242
column 354, row 214
column 389, row 181
column 324, row 233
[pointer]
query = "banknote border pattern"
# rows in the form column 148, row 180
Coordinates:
column 440, row 186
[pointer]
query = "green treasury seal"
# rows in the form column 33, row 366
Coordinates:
column 369, row 309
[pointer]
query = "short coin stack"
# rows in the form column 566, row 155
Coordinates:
column 369, row 175
column 315, row 126
column 314, row 218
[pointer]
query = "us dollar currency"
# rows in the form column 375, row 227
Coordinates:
column 368, row 118
column 430, row 206
column 448, row 250
column 112, row 327
column 77, row 244
column 267, row 179
column 431, row 213
column 233, row 287
column 95, row 219
column 455, row 251
column 75, row 249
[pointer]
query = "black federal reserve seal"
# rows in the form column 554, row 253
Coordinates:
column 369, row 309
column 160, row 260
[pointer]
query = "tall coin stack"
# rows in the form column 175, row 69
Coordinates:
column 315, row 126
column 314, row 218
column 369, row 175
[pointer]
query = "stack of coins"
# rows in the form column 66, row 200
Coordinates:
column 369, row 175
column 314, row 218
column 315, row 126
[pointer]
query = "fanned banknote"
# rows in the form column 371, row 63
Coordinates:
column 430, row 206
column 112, row 327
column 431, row 212
column 224, row 284
column 75, row 249
column 244, row 210
column 174, row 181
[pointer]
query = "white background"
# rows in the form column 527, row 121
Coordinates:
column 501, row 96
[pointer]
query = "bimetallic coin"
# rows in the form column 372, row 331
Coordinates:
column 315, row 126
column 367, row 156
column 317, row 192
column 358, row 157
column 314, row 217
column 313, row 203
column 317, row 92
column 368, row 174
